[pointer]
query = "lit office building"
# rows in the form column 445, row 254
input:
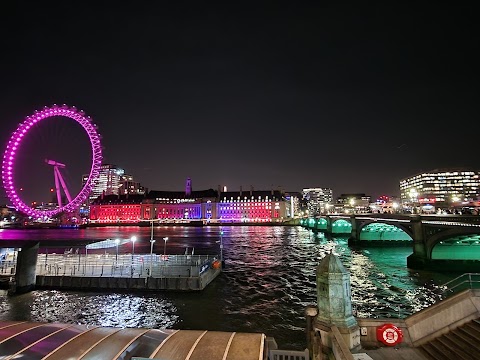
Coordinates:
column 251, row 206
column 441, row 187
column 293, row 205
column 357, row 203
column 127, row 185
column 112, row 180
column 108, row 181
column 317, row 200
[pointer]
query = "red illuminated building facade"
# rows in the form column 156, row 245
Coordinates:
column 177, row 207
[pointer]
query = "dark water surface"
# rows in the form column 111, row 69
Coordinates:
column 268, row 281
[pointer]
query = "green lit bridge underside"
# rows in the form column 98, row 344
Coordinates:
column 443, row 243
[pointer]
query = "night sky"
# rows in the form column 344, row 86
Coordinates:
column 282, row 95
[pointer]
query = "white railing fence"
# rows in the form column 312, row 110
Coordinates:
column 124, row 265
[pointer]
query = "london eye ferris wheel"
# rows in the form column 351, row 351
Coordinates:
column 58, row 158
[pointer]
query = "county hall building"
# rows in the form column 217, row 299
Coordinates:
column 205, row 206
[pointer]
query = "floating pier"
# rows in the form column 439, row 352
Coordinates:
column 126, row 272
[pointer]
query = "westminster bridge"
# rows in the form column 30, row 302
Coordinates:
column 439, row 242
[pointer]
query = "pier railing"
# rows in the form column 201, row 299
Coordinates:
column 7, row 267
column 125, row 265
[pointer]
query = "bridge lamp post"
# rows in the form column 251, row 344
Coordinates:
column 352, row 204
column 413, row 196
column 455, row 201
column 395, row 207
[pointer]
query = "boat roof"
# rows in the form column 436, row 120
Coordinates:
column 52, row 341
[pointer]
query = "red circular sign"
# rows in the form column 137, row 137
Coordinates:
column 389, row 334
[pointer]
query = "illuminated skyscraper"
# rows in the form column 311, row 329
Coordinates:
column 108, row 182
column 317, row 200
column 441, row 187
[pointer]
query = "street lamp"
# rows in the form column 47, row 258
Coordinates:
column 152, row 241
column 165, row 247
column 221, row 247
column 117, row 241
column 86, row 258
column 133, row 239
column 151, row 255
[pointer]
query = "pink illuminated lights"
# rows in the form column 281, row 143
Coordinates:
column 15, row 140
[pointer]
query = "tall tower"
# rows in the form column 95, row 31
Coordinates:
column 188, row 187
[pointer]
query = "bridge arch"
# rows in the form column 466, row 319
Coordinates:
column 341, row 226
column 454, row 244
column 384, row 231
column 321, row 224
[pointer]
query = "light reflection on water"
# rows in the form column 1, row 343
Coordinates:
column 268, row 281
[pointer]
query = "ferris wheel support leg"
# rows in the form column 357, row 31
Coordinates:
column 57, row 187
column 65, row 189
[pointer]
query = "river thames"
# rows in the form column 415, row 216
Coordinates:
column 268, row 280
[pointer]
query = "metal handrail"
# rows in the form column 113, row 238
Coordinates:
column 441, row 292
column 454, row 285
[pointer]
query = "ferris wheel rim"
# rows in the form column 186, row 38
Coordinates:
column 15, row 141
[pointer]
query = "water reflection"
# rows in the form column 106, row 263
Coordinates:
column 268, row 281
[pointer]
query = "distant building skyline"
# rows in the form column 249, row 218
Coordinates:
column 446, row 186
column 436, row 186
